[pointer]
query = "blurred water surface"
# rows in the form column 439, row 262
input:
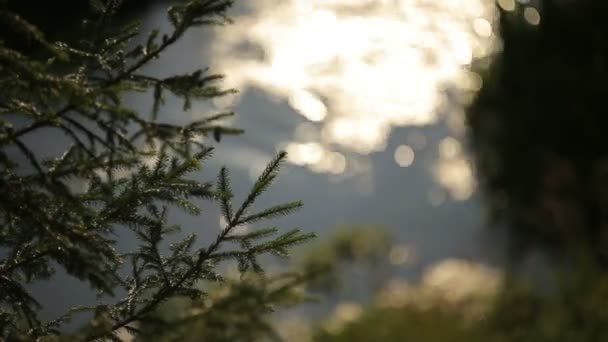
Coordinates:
column 367, row 96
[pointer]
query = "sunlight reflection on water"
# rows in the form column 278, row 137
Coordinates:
column 356, row 69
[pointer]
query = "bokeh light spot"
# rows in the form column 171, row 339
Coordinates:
column 404, row 155
column 507, row 5
column 532, row 16
column 482, row 27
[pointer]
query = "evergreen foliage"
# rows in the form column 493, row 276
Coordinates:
column 135, row 168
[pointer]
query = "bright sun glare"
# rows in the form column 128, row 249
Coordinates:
column 358, row 68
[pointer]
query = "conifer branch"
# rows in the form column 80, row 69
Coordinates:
column 132, row 170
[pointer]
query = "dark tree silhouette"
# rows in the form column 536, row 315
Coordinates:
column 539, row 128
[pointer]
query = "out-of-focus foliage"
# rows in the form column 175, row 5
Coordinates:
column 458, row 300
column 444, row 305
column 364, row 246
column 238, row 310
column 538, row 128
column 575, row 312
column 404, row 324
column 514, row 312
column 121, row 171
